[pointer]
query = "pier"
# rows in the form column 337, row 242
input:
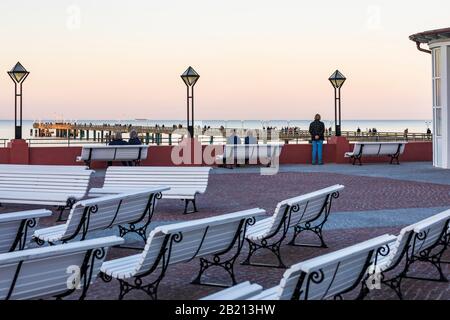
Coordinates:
column 99, row 132
column 166, row 135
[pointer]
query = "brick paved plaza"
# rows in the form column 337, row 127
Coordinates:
column 377, row 199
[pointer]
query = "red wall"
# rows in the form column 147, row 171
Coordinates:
column 301, row 153
column 4, row 155
column 55, row 155
column 161, row 155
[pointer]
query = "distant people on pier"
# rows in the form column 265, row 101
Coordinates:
column 358, row 131
column 405, row 133
column 249, row 138
column 134, row 138
column 234, row 138
column 317, row 131
column 428, row 133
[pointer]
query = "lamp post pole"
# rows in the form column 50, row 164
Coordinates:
column 187, row 110
column 18, row 74
column 191, row 131
column 337, row 109
column 337, row 130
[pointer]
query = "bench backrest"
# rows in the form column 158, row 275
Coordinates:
column 196, row 238
column 106, row 212
column 428, row 232
column 47, row 181
column 174, row 177
column 304, row 208
column 16, row 228
column 391, row 148
column 379, row 148
column 118, row 152
column 419, row 236
column 252, row 151
column 331, row 274
column 41, row 272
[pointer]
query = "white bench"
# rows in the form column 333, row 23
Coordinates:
column 16, row 228
column 104, row 213
column 182, row 242
column 325, row 277
column 306, row 213
column 185, row 182
column 265, row 154
column 134, row 153
column 52, row 271
column 377, row 149
column 43, row 185
column 423, row 241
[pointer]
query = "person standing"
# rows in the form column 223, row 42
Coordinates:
column 317, row 130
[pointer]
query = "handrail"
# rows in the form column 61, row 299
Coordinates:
column 299, row 137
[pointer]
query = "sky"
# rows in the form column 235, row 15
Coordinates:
column 257, row 59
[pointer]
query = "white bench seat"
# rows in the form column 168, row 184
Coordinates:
column 43, row 185
column 324, row 277
column 221, row 236
column 105, row 213
column 392, row 149
column 185, row 183
column 265, row 154
column 268, row 294
column 244, row 290
column 134, row 153
column 307, row 212
column 50, row 234
column 44, row 272
column 16, row 228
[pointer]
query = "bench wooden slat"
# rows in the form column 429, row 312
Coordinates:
column 333, row 274
column 184, row 182
column 45, row 271
column 197, row 238
column 50, row 185
column 109, row 211
column 376, row 149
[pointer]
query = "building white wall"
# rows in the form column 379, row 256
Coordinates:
column 441, row 144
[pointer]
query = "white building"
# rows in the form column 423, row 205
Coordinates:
column 438, row 42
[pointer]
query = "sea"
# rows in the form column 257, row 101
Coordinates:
column 413, row 126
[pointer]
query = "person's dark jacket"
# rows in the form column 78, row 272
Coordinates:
column 134, row 141
column 317, row 128
column 118, row 142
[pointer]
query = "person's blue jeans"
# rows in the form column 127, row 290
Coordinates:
column 317, row 151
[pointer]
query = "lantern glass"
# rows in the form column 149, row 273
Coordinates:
column 190, row 77
column 337, row 79
column 18, row 73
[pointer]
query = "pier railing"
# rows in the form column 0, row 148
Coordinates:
column 300, row 137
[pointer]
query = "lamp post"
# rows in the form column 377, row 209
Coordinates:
column 190, row 77
column 18, row 74
column 337, row 79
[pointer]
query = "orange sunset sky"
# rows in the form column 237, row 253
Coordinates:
column 257, row 59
